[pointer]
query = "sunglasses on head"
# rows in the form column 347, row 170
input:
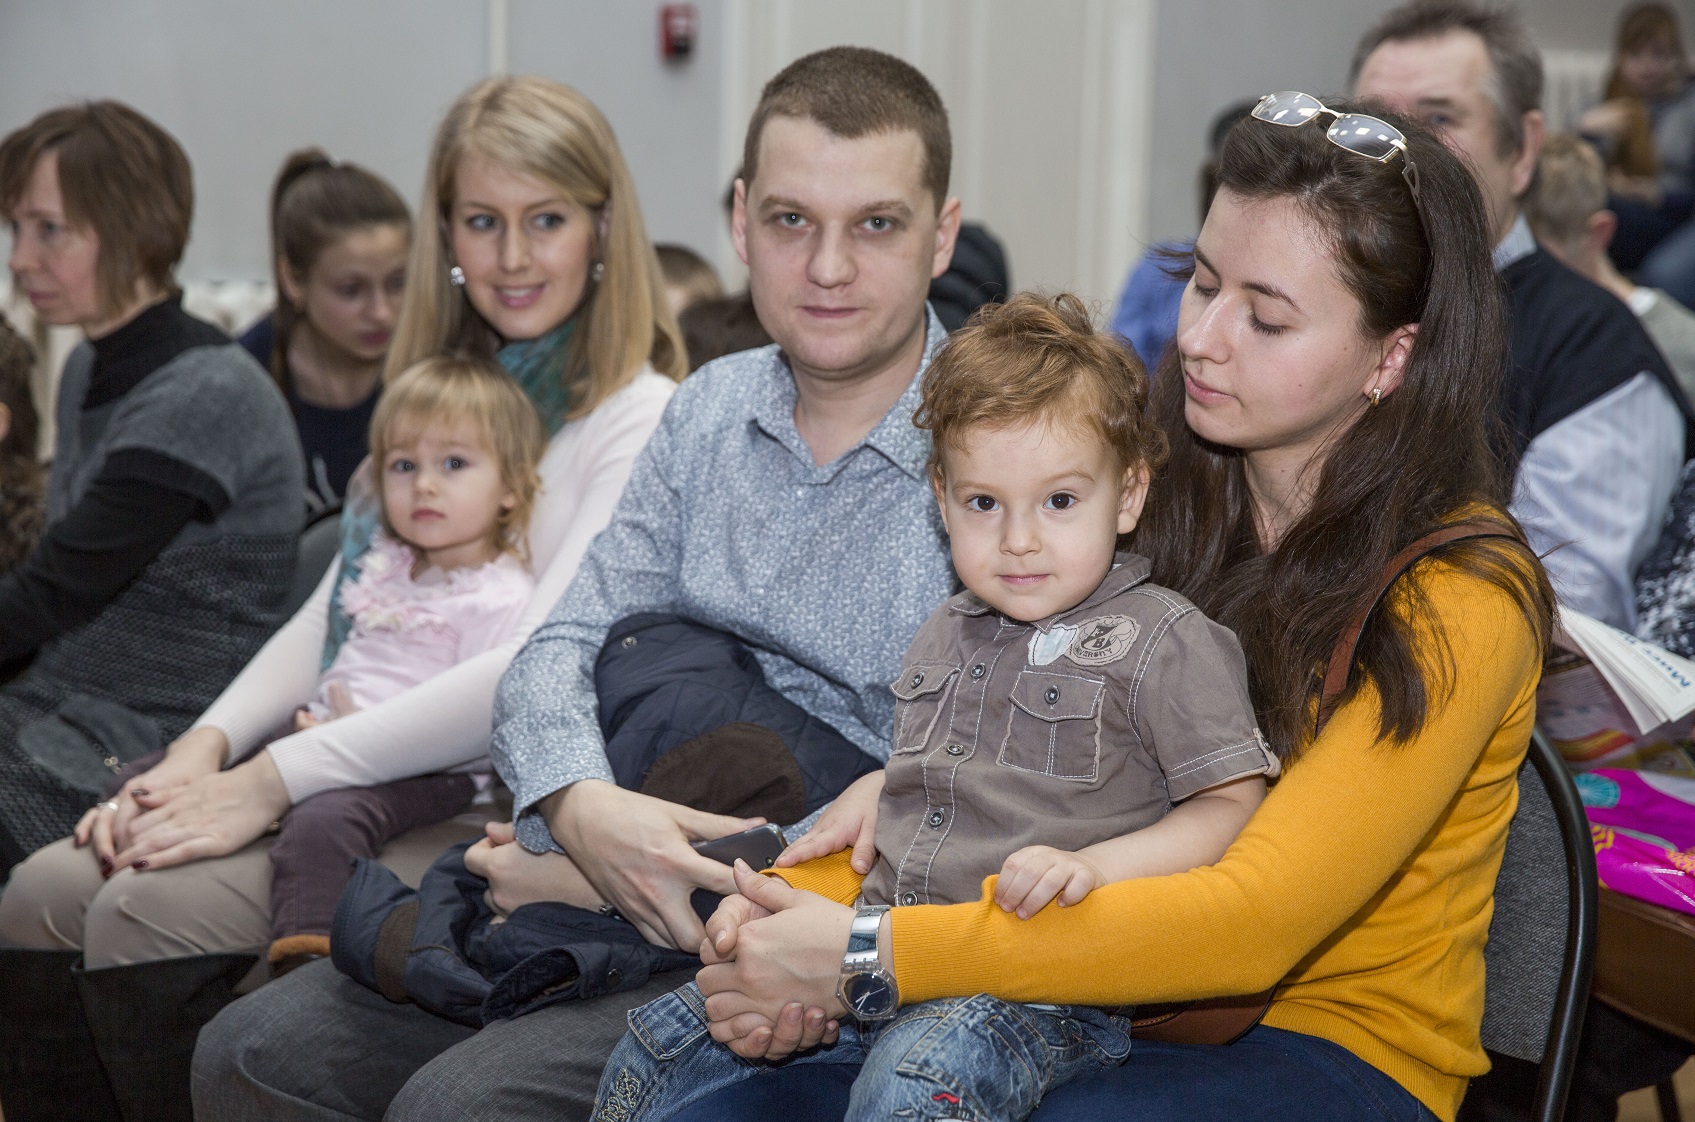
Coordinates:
column 1363, row 135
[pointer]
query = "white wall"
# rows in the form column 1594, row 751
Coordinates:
column 242, row 84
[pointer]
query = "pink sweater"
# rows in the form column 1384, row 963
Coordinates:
column 444, row 724
column 407, row 631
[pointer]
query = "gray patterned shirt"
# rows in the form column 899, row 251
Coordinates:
column 826, row 572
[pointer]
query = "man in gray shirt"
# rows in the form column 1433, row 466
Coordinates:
column 783, row 500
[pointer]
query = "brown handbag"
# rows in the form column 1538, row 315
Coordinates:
column 1221, row 1020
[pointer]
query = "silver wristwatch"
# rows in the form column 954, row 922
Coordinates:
column 866, row 988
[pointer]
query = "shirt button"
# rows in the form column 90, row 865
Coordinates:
column 629, row 640
column 917, row 680
column 1053, row 694
column 909, row 899
column 956, row 749
column 977, row 671
column 936, row 818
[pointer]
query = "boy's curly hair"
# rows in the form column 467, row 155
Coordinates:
column 1039, row 358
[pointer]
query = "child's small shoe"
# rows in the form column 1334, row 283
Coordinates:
column 294, row 951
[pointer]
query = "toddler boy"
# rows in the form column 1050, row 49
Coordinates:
column 1046, row 722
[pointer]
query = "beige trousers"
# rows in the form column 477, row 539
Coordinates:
column 57, row 900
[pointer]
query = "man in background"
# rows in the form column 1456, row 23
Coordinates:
column 1594, row 421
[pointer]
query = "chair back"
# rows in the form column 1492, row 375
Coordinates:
column 1541, row 946
column 318, row 545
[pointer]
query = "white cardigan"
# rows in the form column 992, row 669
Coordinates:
column 442, row 724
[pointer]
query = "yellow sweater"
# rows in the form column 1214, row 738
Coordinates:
column 1364, row 882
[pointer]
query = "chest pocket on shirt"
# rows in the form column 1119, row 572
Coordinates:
column 1054, row 725
column 920, row 694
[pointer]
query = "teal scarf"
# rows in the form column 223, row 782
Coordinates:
column 538, row 365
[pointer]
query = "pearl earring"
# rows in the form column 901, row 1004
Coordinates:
column 456, row 277
column 598, row 271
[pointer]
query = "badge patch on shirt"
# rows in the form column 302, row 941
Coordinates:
column 1045, row 646
column 1103, row 640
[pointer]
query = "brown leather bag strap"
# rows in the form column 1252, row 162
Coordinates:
column 1346, row 651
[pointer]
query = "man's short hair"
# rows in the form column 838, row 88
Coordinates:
column 1571, row 186
column 854, row 92
column 1515, row 79
column 121, row 176
column 1039, row 358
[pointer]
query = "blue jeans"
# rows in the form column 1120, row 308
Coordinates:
column 975, row 1057
column 1270, row 1075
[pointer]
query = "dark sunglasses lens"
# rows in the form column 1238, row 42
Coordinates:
column 1287, row 108
column 1367, row 136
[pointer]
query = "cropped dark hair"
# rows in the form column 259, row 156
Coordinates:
column 1515, row 80
column 1404, row 468
column 314, row 201
column 854, row 92
column 18, row 449
column 121, row 176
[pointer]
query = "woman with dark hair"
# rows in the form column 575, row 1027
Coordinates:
column 1645, row 132
column 339, row 236
column 173, row 511
column 1339, row 346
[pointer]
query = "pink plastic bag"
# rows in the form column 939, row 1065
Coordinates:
column 1643, row 826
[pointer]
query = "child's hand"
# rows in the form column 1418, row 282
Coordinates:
column 851, row 820
column 1039, row 873
column 340, row 702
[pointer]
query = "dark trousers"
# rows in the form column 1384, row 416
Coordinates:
column 311, row 860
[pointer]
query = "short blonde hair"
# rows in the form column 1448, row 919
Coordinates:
column 1039, row 358
column 449, row 389
column 546, row 130
column 1571, row 186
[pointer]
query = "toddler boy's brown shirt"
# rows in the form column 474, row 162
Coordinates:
column 1065, row 732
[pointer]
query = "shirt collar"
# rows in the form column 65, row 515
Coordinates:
column 1128, row 570
column 1516, row 246
column 895, row 436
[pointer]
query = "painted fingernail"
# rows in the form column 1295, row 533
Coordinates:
column 105, row 868
column 139, row 865
column 140, row 791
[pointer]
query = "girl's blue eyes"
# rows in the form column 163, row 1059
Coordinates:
column 547, row 221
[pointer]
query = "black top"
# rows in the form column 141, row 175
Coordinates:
column 334, row 440
column 1573, row 342
column 140, row 500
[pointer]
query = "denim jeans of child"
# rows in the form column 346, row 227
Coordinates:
column 975, row 1057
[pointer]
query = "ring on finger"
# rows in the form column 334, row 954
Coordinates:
column 109, row 804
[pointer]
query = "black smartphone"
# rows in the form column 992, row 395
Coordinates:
column 759, row 847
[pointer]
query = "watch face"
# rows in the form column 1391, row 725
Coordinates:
column 868, row 996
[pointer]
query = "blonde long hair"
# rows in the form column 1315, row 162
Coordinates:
column 546, row 130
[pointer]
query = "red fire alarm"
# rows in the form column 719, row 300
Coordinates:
column 678, row 26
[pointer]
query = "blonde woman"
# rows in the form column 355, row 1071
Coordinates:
column 531, row 249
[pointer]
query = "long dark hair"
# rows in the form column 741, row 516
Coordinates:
column 1403, row 469
column 314, row 201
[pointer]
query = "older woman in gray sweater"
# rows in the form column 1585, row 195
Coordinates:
column 173, row 515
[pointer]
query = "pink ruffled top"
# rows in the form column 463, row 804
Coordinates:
column 406, row 631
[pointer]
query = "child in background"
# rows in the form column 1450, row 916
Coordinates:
column 22, row 492
column 455, row 444
column 689, row 278
column 1046, row 722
